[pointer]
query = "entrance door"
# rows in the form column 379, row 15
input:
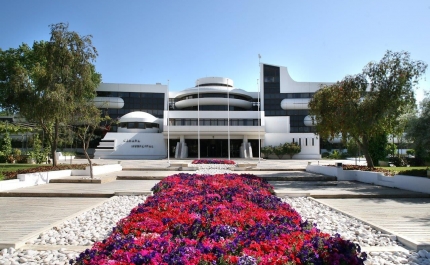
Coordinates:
column 211, row 148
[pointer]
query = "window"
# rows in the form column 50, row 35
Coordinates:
column 312, row 141
column 206, row 122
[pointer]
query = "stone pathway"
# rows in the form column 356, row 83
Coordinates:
column 23, row 217
column 409, row 219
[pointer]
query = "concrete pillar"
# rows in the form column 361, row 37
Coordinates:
column 182, row 139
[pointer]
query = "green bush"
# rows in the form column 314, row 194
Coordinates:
column 325, row 155
column 6, row 148
column 378, row 148
column 279, row 151
column 39, row 153
column 266, row 150
column 398, row 161
column 335, row 155
column 292, row 148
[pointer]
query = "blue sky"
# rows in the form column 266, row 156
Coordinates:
column 144, row 41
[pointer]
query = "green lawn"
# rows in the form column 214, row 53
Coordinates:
column 15, row 167
column 408, row 171
column 402, row 168
column 7, row 167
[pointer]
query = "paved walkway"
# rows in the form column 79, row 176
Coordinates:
column 23, row 218
column 27, row 211
column 409, row 219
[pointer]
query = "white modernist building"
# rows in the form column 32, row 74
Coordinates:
column 211, row 119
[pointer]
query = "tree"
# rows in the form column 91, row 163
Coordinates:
column 45, row 83
column 368, row 104
column 418, row 130
column 86, row 120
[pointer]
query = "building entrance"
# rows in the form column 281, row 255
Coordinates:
column 213, row 148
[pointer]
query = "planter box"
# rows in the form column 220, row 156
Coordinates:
column 418, row 184
column 39, row 178
column 328, row 171
column 97, row 170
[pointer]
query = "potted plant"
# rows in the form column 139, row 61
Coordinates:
column 31, row 158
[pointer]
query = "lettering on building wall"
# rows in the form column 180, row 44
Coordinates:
column 131, row 141
column 142, row 146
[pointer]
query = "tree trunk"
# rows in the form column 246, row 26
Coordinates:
column 364, row 146
column 54, row 143
column 85, row 145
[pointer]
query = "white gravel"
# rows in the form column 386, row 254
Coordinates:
column 96, row 224
column 332, row 222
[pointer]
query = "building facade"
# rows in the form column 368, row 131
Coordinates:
column 211, row 119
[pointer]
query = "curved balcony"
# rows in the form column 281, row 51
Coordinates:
column 193, row 102
column 295, row 103
column 308, row 121
column 194, row 91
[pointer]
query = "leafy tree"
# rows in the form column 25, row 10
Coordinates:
column 6, row 147
column 391, row 149
column 14, row 128
column 368, row 104
column 39, row 153
column 45, row 83
column 292, row 148
column 87, row 120
column 418, row 130
column 352, row 147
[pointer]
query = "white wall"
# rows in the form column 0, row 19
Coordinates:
column 154, row 146
column 288, row 85
column 309, row 151
column 278, row 124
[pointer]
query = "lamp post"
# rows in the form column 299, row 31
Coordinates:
column 198, row 118
column 168, row 123
column 228, row 119
column 259, row 114
column 259, row 124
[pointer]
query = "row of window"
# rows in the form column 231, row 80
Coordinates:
column 302, row 129
column 138, row 125
column 287, row 95
column 213, row 122
column 129, row 94
column 144, row 100
column 215, row 107
column 306, row 142
column 120, row 112
column 211, row 95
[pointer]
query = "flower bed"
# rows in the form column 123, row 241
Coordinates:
column 222, row 219
column 214, row 161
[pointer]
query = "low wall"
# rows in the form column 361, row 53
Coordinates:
column 328, row 171
column 418, row 184
column 97, row 170
column 40, row 178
